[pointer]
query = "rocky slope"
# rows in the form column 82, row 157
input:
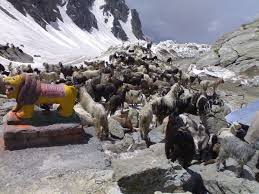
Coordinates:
column 13, row 53
column 237, row 51
column 46, row 12
column 67, row 29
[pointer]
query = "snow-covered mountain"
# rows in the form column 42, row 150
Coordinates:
column 173, row 49
column 67, row 30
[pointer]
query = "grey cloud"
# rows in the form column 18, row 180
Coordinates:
column 193, row 20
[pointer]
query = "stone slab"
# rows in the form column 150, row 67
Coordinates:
column 40, row 118
column 41, row 131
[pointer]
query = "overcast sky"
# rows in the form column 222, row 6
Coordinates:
column 200, row 21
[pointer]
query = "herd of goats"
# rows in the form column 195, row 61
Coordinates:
column 160, row 95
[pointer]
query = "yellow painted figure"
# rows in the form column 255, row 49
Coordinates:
column 28, row 91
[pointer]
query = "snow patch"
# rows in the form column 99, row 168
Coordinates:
column 127, row 27
column 182, row 50
column 214, row 71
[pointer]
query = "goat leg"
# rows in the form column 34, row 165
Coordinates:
column 17, row 108
column 239, row 169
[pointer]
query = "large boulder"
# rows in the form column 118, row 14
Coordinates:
column 209, row 59
column 252, row 135
column 115, row 128
column 149, row 171
column 229, row 56
column 225, row 182
column 125, row 147
column 157, row 135
column 215, row 120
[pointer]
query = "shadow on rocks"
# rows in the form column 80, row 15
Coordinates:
column 195, row 184
column 245, row 173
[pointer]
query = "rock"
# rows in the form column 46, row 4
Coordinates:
column 118, row 31
column 210, row 58
column 80, row 168
column 115, row 128
column 238, row 50
column 124, row 147
column 149, row 171
column 7, row 106
column 43, row 13
column 121, row 146
column 251, row 71
column 47, row 12
column 41, row 130
column 124, row 122
column 133, row 116
column 252, row 135
column 228, row 56
column 140, row 144
column 215, row 120
column 15, row 54
column 120, row 12
column 156, row 135
column 225, row 182
column 113, row 189
column 80, row 13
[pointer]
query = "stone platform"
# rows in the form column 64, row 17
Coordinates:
column 44, row 129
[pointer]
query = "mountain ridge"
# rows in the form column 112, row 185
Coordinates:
column 67, row 29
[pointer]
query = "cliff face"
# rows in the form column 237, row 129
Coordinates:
column 136, row 24
column 42, row 11
column 120, row 11
column 237, row 50
column 45, row 12
column 79, row 12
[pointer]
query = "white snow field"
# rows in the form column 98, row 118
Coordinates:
column 62, row 41
column 182, row 50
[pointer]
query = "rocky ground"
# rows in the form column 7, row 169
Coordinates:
column 124, row 167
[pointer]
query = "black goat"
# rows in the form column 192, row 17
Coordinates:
column 179, row 143
column 116, row 101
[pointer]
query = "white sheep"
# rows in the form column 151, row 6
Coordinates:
column 49, row 77
column 145, row 119
column 97, row 111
